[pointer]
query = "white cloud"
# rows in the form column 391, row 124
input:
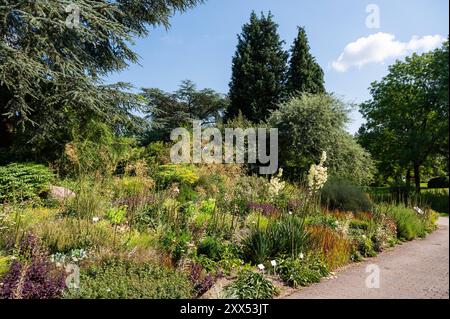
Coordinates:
column 379, row 47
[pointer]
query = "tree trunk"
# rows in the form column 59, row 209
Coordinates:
column 6, row 132
column 417, row 176
column 408, row 179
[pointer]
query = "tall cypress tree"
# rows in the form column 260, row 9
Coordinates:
column 259, row 70
column 305, row 75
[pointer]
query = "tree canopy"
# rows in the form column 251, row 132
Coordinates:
column 311, row 124
column 304, row 75
column 407, row 116
column 258, row 71
column 50, row 72
column 167, row 111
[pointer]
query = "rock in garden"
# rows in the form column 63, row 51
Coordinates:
column 60, row 193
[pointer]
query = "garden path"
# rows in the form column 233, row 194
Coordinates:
column 416, row 269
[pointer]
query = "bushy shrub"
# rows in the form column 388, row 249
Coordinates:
column 409, row 224
column 23, row 181
column 211, row 247
column 32, row 275
column 182, row 174
column 439, row 182
column 364, row 245
column 301, row 272
column 342, row 195
column 251, row 285
column 126, row 279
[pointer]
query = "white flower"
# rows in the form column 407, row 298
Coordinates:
column 273, row 263
column 95, row 219
column 276, row 185
column 176, row 190
column 302, row 256
column 261, row 267
column 318, row 174
column 290, row 213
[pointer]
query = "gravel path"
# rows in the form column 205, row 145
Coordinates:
column 417, row 269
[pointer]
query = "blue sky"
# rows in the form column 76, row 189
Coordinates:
column 201, row 42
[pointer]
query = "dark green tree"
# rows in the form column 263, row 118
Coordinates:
column 259, row 70
column 310, row 124
column 167, row 111
column 51, row 71
column 304, row 75
column 407, row 117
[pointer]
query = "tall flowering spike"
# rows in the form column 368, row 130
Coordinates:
column 318, row 174
column 276, row 185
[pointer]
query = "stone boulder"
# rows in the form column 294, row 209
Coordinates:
column 60, row 193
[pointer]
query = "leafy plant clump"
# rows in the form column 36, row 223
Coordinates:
column 211, row 247
column 21, row 181
column 117, row 278
column 32, row 275
column 251, row 285
column 286, row 236
column 301, row 272
column 342, row 195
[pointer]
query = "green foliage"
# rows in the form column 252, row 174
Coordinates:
column 49, row 86
column 364, row 246
column 172, row 110
column 304, row 75
column 173, row 173
column 124, row 279
column 437, row 199
column 342, row 195
column 116, row 215
column 258, row 71
column 301, row 272
column 409, row 224
column 211, row 247
column 401, row 133
column 438, row 182
column 4, row 265
column 97, row 150
column 90, row 200
column 251, row 285
column 67, row 234
column 21, row 181
column 308, row 125
column 175, row 243
column 286, row 236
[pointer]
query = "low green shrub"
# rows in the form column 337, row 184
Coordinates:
column 359, row 224
column 21, row 181
column 342, row 195
column 364, row 245
column 171, row 173
column 125, row 279
column 251, row 285
column 211, row 247
column 301, row 272
column 409, row 224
